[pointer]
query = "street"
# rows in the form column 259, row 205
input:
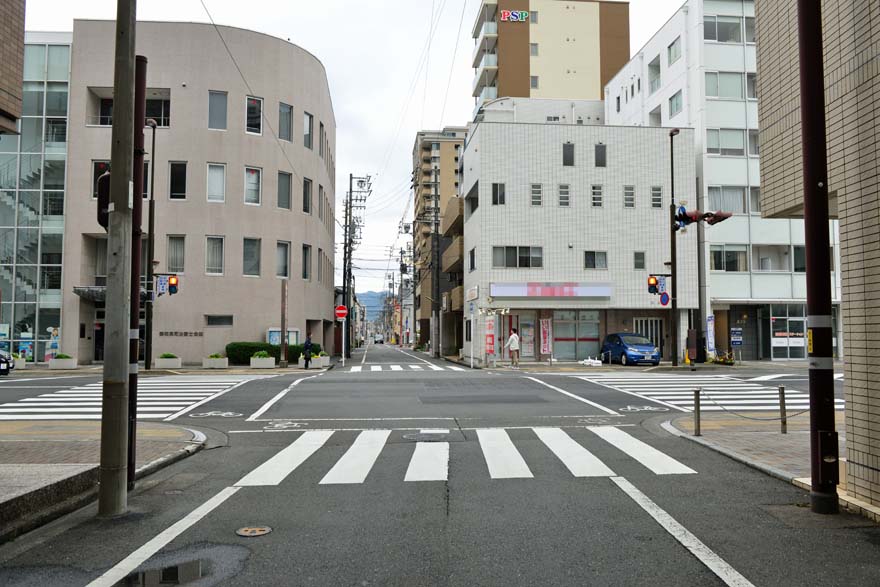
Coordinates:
column 440, row 476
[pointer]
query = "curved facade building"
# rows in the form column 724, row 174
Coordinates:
column 244, row 187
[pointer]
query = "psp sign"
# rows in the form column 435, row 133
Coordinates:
column 514, row 15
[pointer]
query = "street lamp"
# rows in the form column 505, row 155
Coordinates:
column 151, row 243
column 674, row 322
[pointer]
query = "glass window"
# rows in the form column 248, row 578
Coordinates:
column 675, row 104
column 221, row 320
column 160, row 111
column 524, row 257
column 56, row 99
column 713, row 142
column 752, row 86
column 755, row 200
column 35, row 62
column 472, row 259
column 716, row 258
column 105, row 112
column 800, row 259
column 217, row 110
column 729, row 29
column 320, row 265
column 175, row 258
column 285, row 121
column 736, row 258
column 32, row 99
column 53, row 172
column 533, row 49
column 285, row 183
column 673, row 51
column 214, row 255
column 638, row 260
column 537, row 194
column 564, row 195
column 498, row 195
column 322, row 139
column 308, row 129
column 307, row 196
column 251, row 257
column 750, row 29
column 510, row 257
column 533, row 16
column 727, row 199
column 568, row 155
column 595, row 260
column 596, row 196
column 29, row 176
column 56, row 134
column 537, row 257
column 730, row 85
column 99, row 168
column 629, row 196
column 656, row 197
column 282, row 259
column 29, row 209
column 307, row 262
column 754, row 147
column 732, row 142
column 178, row 180
column 216, row 182
column 601, row 155
column 254, row 123
column 497, row 256
column 26, row 247
column 617, row 103
column 710, row 30
column 53, row 205
column 31, row 135
column 533, row 82
column 50, row 248
column 711, row 84
column 253, row 184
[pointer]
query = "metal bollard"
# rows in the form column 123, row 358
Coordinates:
column 783, row 416
column 697, row 411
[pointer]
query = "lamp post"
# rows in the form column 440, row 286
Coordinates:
column 151, row 243
column 674, row 305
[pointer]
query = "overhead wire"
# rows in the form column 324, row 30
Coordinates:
column 452, row 65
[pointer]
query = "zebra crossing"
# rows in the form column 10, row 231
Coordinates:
column 718, row 392
column 398, row 368
column 158, row 398
column 429, row 459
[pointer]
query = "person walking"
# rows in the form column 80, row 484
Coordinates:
column 307, row 349
column 513, row 344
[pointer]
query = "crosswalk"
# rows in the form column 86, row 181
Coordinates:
column 398, row 368
column 158, row 398
column 429, row 459
column 717, row 392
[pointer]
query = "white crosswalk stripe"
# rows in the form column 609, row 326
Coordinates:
column 502, row 458
column 158, row 398
column 397, row 368
column 430, row 462
column 355, row 464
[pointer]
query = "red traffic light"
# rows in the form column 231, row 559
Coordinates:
column 653, row 285
column 173, row 282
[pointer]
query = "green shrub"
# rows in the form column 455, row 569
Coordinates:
column 62, row 356
column 167, row 356
column 261, row 355
column 240, row 353
column 215, row 356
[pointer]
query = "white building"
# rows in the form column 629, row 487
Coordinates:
column 564, row 220
column 699, row 71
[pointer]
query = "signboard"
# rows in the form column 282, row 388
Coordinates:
column 273, row 336
column 736, row 336
column 710, row 334
column 341, row 312
column 661, row 285
column 664, row 298
column 490, row 344
column 546, row 336
column 4, row 331
column 473, row 293
column 551, row 290
column 514, row 15
column 472, row 307
column 161, row 284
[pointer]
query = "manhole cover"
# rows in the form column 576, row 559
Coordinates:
column 421, row 437
column 253, row 531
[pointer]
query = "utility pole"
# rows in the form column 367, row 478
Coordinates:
column 823, row 437
column 283, row 360
column 346, row 254
column 672, row 248
column 151, row 252
column 112, row 494
column 435, row 278
column 702, row 285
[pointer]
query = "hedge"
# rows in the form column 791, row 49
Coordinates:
column 240, row 353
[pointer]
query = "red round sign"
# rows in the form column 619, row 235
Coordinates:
column 341, row 312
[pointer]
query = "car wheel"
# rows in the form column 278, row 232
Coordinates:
column 656, row 363
column 623, row 359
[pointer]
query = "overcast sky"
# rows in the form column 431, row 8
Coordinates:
column 372, row 51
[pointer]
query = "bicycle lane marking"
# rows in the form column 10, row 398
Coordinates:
column 574, row 396
column 632, row 393
column 213, row 397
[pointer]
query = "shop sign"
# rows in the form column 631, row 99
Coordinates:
column 514, row 15
column 490, row 344
column 736, row 336
column 710, row 334
column 473, row 293
column 546, row 336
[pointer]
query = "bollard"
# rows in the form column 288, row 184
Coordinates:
column 783, row 417
column 697, row 411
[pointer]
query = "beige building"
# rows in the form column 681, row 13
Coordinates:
column 851, row 38
column 11, row 62
column 565, row 49
column 244, row 187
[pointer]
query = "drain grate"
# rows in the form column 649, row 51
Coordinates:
column 420, row 437
column 253, row 531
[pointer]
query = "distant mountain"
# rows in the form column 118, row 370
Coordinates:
column 373, row 301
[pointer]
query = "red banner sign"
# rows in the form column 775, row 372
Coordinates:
column 546, row 337
column 490, row 344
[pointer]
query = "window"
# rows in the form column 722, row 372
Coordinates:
column 498, row 196
column 800, row 259
column 533, row 49
column 568, row 155
column 214, row 255
column 564, row 195
column 99, row 168
column 216, row 182
column 307, row 196
column 174, row 259
column 219, row 320
column 728, row 199
column 755, row 200
column 654, row 74
column 285, row 121
column 517, row 257
column 752, row 86
column 251, row 257
column 253, row 184
column 729, row 29
column 160, row 111
column 724, row 85
column 254, row 123
column 322, row 140
column 673, row 51
column 308, row 129
column 533, row 82
column 320, row 265
column 284, row 185
column 754, row 147
column 750, row 29
column 537, row 194
column 618, row 103
column 600, row 155
column 533, row 16
column 596, row 196
column 595, row 260
column 638, row 260
column 731, row 258
column 177, row 187
column 307, row 262
column 472, row 259
column 467, row 330
column 629, row 196
column 725, row 142
column 217, row 110
column 675, row 104
column 656, row 197
column 320, row 202
column 282, row 259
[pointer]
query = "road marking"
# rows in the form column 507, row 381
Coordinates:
column 578, row 460
column 715, row 563
column 838, row 376
column 501, row 456
column 125, row 567
column 573, row 396
column 356, row 369
column 415, row 367
column 451, row 368
column 275, row 399
column 430, row 462
column 435, row 367
column 434, row 431
column 204, row 401
column 768, row 377
column 650, row 399
column 414, row 357
column 396, row 368
column 355, row 464
column 656, row 461
column 273, row 471
column 364, row 358
column 376, row 368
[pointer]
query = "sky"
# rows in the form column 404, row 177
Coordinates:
column 384, row 89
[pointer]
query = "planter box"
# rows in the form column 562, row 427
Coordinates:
column 325, row 361
column 215, row 363
column 302, row 362
column 20, row 364
column 174, row 363
column 55, row 364
column 268, row 363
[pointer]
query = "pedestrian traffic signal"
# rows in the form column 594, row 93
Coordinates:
column 173, row 282
column 684, row 217
column 653, row 285
column 716, row 217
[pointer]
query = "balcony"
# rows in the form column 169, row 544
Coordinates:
column 487, row 13
column 487, row 40
column 451, row 261
column 452, row 222
column 456, row 299
column 487, row 74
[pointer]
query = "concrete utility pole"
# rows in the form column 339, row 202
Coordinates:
column 702, row 285
column 283, row 361
column 823, row 437
column 112, row 494
column 346, row 255
column 672, row 245
column 435, row 279
column 151, row 253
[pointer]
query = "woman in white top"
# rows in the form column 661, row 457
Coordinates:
column 513, row 345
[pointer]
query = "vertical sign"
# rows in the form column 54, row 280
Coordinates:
column 710, row 334
column 546, row 336
column 490, row 335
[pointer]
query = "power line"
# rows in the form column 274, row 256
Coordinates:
column 452, row 65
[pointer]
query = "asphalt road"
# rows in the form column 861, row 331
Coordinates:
column 423, row 475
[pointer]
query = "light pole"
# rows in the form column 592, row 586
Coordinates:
column 673, row 265
column 151, row 244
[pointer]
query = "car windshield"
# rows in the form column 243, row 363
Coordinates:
column 634, row 339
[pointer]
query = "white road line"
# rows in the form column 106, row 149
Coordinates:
column 502, row 458
column 204, row 401
column 355, row 464
column 838, row 375
column 273, row 471
column 125, row 567
column 644, row 453
column 396, row 368
column 435, row 367
column 78, row 410
column 656, row 401
column 576, row 397
column 414, row 357
column 715, row 563
column 768, row 377
column 364, row 358
column 376, row 368
column 144, row 406
column 275, row 399
column 356, row 369
column 57, row 416
column 451, row 368
column 578, row 460
column 434, row 431
column 430, row 462
column 415, row 367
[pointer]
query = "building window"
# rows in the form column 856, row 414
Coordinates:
column 160, row 111
column 472, row 259
column 568, row 154
column 537, row 194
column 600, row 155
column 251, row 257
column 253, row 185
column 282, row 259
column 800, row 259
column 217, row 110
column 218, row 320
column 754, row 147
column 307, row 262
column 99, row 168
column 617, row 103
column 731, row 258
column 322, row 140
column 656, row 197
column 174, row 259
column 498, row 196
column 254, row 123
column 752, row 86
column 533, row 16
column 308, row 129
column 216, row 182
column 675, row 104
column 725, row 141
column 750, row 29
column 629, row 196
column 320, row 202
column 533, row 49
column 673, row 51
column 724, row 29
column 724, row 85
column 214, row 255
column 728, row 199
column 638, row 260
column 639, row 85
column 284, row 185
column 285, row 121
column 595, row 260
column 654, row 79
column 564, row 195
column 467, row 330
column 533, row 82
column 320, row 265
column 307, row 196
column 596, row 196
column 517, row 257
column 177, row 183
column 755, row 200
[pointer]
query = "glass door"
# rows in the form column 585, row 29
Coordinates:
column 527, row 334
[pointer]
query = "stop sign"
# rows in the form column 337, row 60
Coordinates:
column 341, row 312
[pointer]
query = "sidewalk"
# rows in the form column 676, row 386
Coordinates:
column 49, row 468
column 98, row 370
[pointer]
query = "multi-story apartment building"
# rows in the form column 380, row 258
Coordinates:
column 699, row 71
column 548, row 48
column 851, row 40
column 435, row 180
column 452, row 264
column 564, row 220
column 11, row 63
column 244, row 189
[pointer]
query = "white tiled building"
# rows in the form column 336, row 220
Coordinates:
column 698, row 71
column 564, row 219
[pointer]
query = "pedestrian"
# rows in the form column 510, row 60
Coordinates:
column 513, row 344
column 307, row 349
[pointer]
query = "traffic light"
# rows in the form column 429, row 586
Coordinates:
column 104, row 200
column 653, row 285
column 684, row 217
column 173, row 282
column 716, row 217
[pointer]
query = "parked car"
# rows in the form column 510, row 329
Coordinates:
column 379, row 339
column 6, row 361
column 629, row 349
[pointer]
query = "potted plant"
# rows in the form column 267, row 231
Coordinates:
column 262, row 360
column 62, row 361
column 215, row 361
column 168, row 361
column 324, row 359
column 20, row 361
